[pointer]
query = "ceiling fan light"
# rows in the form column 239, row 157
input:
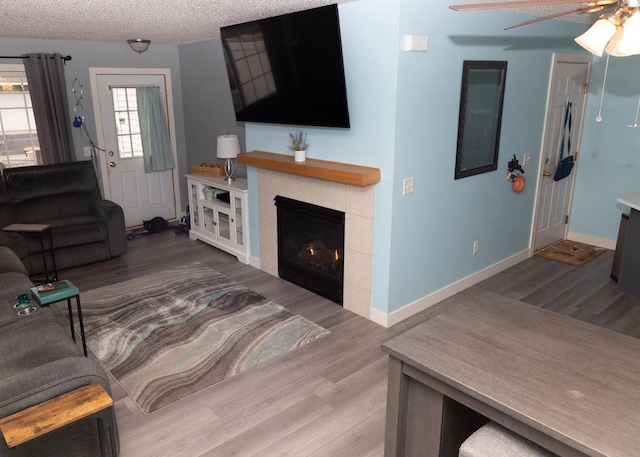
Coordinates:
column 596, row 38
column 629, row 43
column 612, row 46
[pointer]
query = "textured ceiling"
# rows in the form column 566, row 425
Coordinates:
column 161, row 21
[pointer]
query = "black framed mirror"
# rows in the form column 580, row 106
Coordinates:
column 480, row 117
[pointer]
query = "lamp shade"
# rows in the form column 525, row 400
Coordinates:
column 596, row 38
column 228, row 147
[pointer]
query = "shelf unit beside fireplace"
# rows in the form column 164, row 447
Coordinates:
column 219, row 214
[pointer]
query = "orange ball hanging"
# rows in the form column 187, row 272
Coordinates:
column 518, row 184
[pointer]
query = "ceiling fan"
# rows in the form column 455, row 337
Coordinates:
column 617, row 32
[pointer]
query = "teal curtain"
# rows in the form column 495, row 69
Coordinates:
column 156, row 145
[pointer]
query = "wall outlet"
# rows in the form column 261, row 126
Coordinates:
column 527, row 158
column 87, row 151
column 476, row 247
column 407, row 186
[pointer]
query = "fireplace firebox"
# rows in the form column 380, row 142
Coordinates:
column 311, row 247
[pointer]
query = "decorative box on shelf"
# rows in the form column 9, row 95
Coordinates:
column 205, row 169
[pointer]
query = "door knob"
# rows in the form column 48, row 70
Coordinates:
column 112, row 164
column 546, row 173
column 110, row 153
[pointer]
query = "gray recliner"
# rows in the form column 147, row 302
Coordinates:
column 85, row 228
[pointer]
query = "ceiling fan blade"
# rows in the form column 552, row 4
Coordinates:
column 543, row 18
column 587, row 9
column 524, row 4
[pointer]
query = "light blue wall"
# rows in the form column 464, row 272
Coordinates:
column 609, row 161
column 404, row 110
column 370, row 47
column 434, row 229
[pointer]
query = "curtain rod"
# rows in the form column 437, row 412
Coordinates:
column 65, row 58
column 130, row 87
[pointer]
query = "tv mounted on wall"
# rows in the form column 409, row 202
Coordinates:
column 288, row 69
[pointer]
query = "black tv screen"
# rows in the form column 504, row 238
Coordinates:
column 288, row 69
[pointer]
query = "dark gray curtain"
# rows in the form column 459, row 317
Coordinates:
column 48, row 89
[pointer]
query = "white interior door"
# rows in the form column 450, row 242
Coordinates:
column 142, row 196
column 569, row 79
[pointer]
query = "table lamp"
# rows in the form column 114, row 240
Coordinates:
column 228, row 148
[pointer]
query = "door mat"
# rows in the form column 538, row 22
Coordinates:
column 571, row 252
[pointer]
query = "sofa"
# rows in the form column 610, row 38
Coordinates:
column 84, row 227
column 39, row 361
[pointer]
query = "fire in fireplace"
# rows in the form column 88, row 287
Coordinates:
column 311, row 247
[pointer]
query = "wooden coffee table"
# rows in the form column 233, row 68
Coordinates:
column 569, row 386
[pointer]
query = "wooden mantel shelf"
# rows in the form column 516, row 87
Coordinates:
column 345, row 173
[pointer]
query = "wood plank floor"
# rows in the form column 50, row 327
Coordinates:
column 327, row 398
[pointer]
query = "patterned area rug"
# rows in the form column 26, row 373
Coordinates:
column 571, row 252
column 168, row 335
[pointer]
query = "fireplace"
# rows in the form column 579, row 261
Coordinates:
column 358, row 205
column 311, row 247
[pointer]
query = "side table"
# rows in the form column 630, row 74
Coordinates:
column 39, row 229
column 63, row 290
column 85, row 402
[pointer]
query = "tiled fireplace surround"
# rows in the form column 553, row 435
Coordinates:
column 358, row 205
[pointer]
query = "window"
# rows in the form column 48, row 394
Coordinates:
column 125, row 106
column 19, row 144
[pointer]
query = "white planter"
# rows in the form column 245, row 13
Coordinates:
column 299, row 156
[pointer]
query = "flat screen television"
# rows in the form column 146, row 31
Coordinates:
column 288, row 69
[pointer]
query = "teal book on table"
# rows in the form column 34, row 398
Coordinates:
column 53, row 292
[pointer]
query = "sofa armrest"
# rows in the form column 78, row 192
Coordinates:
column 113, row 216
column 48, row 381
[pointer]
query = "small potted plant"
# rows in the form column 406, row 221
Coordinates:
column 299, row 146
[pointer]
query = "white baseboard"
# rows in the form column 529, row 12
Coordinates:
column 593, row 240
column 255, row 262
column 387, row 320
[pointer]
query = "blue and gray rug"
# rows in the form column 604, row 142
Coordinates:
column 168, row 335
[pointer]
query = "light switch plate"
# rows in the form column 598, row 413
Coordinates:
column 407, row 186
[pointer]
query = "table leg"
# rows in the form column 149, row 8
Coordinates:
column 84, row 341
column 73, row 332
column 53, row 257
column 425, row 412
column 414, row 416
column 106, row 424
column 44, row 259
column 395, row 429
